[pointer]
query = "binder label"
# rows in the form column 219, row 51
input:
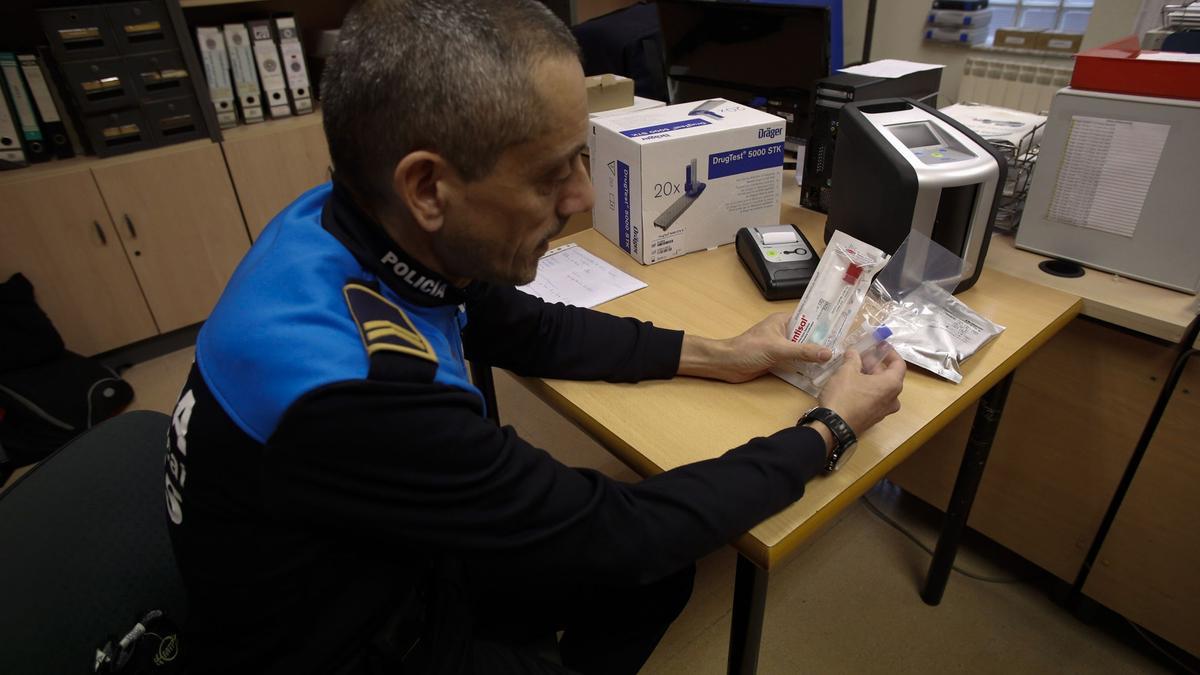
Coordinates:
column 16, row 89
column 39, row 89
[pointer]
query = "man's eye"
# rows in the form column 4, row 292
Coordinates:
column 554, row 182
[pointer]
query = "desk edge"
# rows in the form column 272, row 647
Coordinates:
column 770, row 556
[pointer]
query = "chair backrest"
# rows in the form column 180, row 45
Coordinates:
column 626, row 42
column 1183, row 41
column 84, row 548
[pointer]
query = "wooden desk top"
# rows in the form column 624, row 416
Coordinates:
column 1145, row 308
column 656, row 426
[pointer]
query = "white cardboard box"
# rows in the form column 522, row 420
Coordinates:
column 684, row 178
column 639, row 104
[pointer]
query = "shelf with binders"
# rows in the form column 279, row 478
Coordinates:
column 128, row 74
column 261, row 58
column 273, row 126
column 104, row 79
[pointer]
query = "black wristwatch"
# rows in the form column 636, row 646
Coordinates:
column 844, row 439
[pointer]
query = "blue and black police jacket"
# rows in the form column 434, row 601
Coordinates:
column 329, row 457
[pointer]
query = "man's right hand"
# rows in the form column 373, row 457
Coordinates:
column 864, row 399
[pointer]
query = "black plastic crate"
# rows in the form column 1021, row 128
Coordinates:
column 99, row 85
column 159, row 76
column 141, row 27
column 175, row 121
column 118, row 132
column 78, row 33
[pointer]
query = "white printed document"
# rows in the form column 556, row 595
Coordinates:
column 1106, row 172
column 890, row 68
column 570, row 275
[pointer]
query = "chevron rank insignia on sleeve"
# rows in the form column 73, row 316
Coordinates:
column 383, row 326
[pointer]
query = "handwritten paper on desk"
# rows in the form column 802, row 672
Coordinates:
column 571, row 275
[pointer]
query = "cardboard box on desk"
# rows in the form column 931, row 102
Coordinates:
column 1023, row 38
column 684, row 178
column 639, row 104
column 607, row 92
column 1065, row 43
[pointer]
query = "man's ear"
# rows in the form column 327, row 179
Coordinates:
column 424, row 182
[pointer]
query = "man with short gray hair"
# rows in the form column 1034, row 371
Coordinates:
column 339, row 501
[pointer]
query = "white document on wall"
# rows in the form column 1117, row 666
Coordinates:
column 570, row 275
column 1106, row 172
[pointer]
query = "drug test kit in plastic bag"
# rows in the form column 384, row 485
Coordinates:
column 930, row 327
column 909, row 306
column 830, row 304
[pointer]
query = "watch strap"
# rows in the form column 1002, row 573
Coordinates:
column 843, row 435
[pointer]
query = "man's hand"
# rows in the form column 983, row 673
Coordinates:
column 864, row 399
column 745, row 357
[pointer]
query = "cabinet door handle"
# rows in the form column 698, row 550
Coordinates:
column 100, row 231
column 129, row 224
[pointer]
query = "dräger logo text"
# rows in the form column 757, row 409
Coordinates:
column 769, row 133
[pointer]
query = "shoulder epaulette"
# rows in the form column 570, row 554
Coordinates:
column 385, row 328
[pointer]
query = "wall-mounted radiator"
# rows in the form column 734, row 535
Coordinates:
column 1021, row 86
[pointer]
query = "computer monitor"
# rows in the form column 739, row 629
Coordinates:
column 766, row 54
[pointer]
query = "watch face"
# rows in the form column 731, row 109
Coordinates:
column 845, row 456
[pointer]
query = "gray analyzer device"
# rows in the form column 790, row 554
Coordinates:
column 778, row 258
column 692, row 187
column 903, row 167
column 1109, row 195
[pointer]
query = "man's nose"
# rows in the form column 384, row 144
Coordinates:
column 578, row 195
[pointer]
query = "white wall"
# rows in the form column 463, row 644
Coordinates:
column 898, row 35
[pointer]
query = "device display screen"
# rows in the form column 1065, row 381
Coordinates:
column 916, row 135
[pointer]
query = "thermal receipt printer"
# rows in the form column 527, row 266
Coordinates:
column 778, row 258
column 903, row 166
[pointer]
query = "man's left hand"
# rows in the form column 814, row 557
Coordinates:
column 762, row 347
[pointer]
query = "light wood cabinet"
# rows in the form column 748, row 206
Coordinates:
column 55, row 230
column 1148, row 565
column 178, row 218
column 1072, row 420
column 272, row 164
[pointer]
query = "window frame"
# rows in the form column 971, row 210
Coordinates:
column 1060, row 7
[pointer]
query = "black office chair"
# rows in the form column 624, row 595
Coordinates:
column 1187, row 41
column 84, row 549
column 626, row 42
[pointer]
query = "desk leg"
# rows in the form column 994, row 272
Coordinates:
column 749, row 606
column 983, row 432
